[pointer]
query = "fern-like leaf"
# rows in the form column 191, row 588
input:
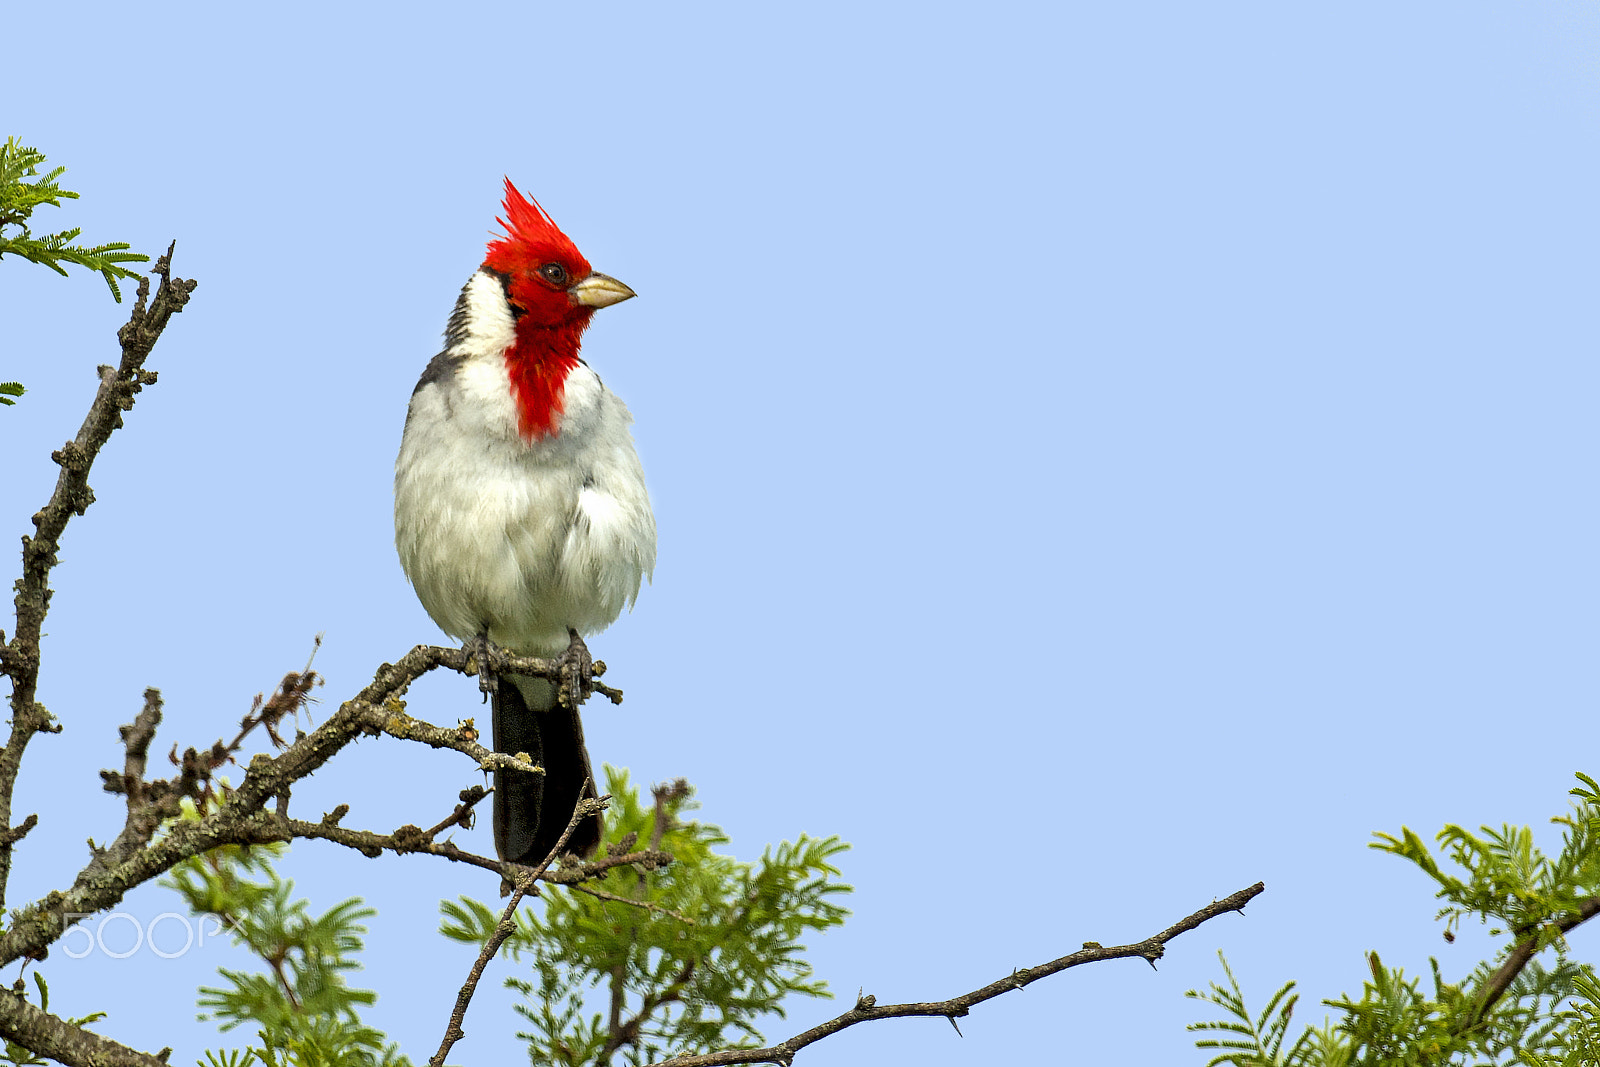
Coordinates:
column 18, row 199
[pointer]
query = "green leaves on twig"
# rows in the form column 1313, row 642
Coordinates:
column 688, row 963
column 18, row 198
column 1511, row 1009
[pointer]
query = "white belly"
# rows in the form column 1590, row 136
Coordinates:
column 520, row 540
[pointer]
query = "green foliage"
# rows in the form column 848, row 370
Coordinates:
column 718, row 947
column 1578, row 1045
column 1258, row 1042
column 305, row 1013
column 1546, row 1017
column 1508, row 878
column 671, row 984
column 19, row 197
column 9, row 390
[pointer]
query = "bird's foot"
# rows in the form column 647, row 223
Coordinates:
column 577, row 673
column 491, row 659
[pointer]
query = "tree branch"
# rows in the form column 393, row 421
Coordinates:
column 134, row 858
column 523, row 881
column 867, row 1010
column 1519, row 957
column 72, row 496
column 52, row 1036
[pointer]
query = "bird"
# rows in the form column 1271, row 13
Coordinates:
column 521, row 514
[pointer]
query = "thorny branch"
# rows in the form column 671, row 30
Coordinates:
column 867, row 1010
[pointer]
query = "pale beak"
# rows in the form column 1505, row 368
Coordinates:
column 599, row 291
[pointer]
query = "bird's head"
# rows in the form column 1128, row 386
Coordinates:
column 553, row 294
column 550, row 284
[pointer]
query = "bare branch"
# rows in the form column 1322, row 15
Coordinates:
column 462, row 816
column 866, row 1008
column 136, row 738
column 19, row 831
column 72, row 496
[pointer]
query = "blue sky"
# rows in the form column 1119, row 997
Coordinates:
column 1108, row 455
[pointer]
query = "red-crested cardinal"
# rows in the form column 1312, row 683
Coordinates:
column 520, row 509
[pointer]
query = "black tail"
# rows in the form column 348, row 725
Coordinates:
column 530, row 812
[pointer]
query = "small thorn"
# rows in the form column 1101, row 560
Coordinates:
column 954, row 1027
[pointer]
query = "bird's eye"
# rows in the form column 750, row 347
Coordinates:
column 554, row 273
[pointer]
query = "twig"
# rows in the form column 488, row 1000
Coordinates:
column 276, row 963
column 523, row 881
column 462, row 816
column 620, row 1033
column 866, row 1008
column 136, row 738
column 649, row 859
column 409, row 840
column 19, row 831
column 647, row 905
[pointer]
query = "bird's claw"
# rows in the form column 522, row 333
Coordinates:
column 491, row 659
column 577, row 673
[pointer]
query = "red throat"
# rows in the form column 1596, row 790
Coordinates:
column 538, row 364
column 538, row 262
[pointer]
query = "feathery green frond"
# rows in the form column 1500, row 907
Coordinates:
column 1549, row 1015
column 18, row 199
column 1258, row 1042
